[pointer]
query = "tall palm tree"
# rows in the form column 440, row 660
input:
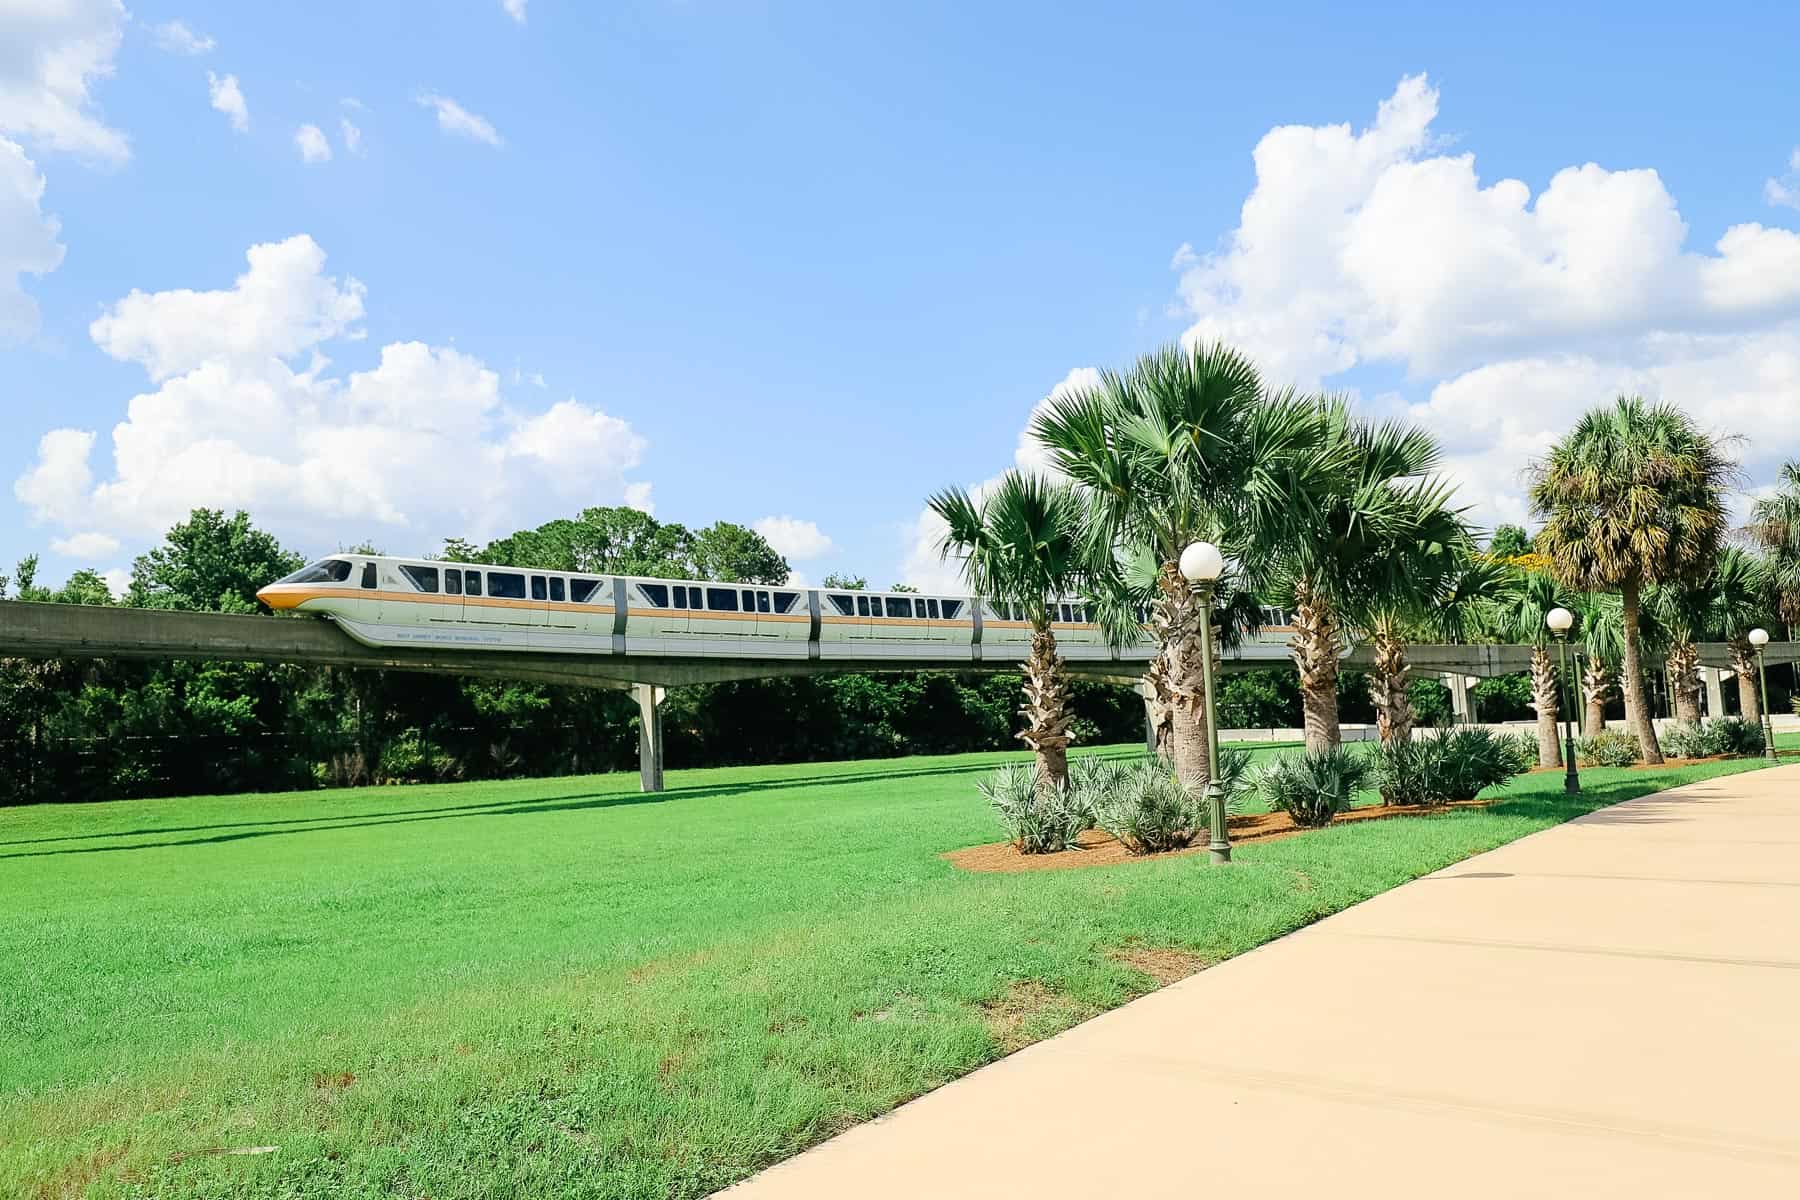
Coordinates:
column 1601, row 636
column 1021, row 544
column 1373, row 505
column 1775, row 524
column 1632, row 496
column 1682, row 612
column 1184, row 446
column 1517, row 612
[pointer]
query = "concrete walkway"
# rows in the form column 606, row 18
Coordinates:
column 1607, row 1008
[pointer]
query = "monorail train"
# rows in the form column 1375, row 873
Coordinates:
column 383, row 601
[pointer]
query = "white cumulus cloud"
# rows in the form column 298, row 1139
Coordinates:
column 51, row 55
column 514, row 9
column 352, row 135
column 177, row 38
column 85, row 545
column 794, row 539
column 453, row 118
column 28, row 240
column 228, row 98
column 244, row 410
column 310, row 141
column 1785, row 189
column 1517, row 312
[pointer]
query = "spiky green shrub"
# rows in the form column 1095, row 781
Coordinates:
column 1685, row 739
column 1735, row 736
column 1608, row 748
column 1468, row 759
column 1039, row 817
column 1404, row 772
column 1148, row 809
column 1313, row 786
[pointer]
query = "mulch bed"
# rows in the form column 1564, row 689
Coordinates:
column 1097, row 849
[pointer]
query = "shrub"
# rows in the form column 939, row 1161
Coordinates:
column 1735, row 736
column 1039, row 818
column 1148, row 809
column 1684, row 739
column 1403, row 772
column 1312, row 787
column 1467, row 760
column 1608, row 748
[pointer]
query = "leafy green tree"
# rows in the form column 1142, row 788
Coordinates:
column 845, row 583
column 84, row 587
column 1737, row 597
column 1509, row 541
column 210, row 563
column 735, row 554
column 903, row 587
column 1632, row 496
column 1185, row 446
column 1775, row 524
column 1021, row 544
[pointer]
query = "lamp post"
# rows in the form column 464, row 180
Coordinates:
column 1760, row 638
column 1201, row 565
column 1559, row 620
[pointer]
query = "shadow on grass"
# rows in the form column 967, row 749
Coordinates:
column 327, row 822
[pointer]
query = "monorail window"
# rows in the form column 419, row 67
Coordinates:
column 722, row 599
column 556, row 589
column 951, row 608
column 656, row 593
column 452, row 581
column 845, row 605
column 1068, row 614
column 332, row 570
column 423, row 578
column 471, row 583
column 899, row 606
column 862, row 606
column 749, row 600
column 681, row 600
column 932, row 606
column 538, row 590
column 762, row 602
column 368, row 579
column 582, row 590
column 784, row 601
column 506, row 585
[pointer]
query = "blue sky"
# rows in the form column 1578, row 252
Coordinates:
column 815, row 261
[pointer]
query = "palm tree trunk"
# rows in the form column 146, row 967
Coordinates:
column 1683, row 669
column 1743, row 664
column 1046, row 708
column 1315, row 647
column 1597, row 682
column 1544, row 698
column 1161, row 705
column 1178, row 618
column 1388, row 684
column 1637, row 707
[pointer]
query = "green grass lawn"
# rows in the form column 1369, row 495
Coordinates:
column 564, row 988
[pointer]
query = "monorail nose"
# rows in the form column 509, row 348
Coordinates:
column 276, row 597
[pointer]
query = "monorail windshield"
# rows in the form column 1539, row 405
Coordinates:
column 330, row 570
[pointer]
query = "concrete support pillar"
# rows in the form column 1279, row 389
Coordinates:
column 1459, row 696
column 1715, row 691
column 650, row 736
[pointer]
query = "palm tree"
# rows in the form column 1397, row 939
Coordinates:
column 1435, row 588
column 1373, row 507
column 1775, row 524
column 1518, row 612
column 1021, row 544
column 1602, row 640
column 1736, row 599
column 1184, row 446
column 1632, row 496
column 1682, row 613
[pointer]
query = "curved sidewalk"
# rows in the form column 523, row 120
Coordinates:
column 1607, row 1008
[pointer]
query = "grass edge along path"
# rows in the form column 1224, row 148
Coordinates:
column 666, row 1068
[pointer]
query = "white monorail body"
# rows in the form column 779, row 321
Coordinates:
column 383, row 601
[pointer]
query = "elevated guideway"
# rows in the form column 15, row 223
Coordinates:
column 69, row 631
